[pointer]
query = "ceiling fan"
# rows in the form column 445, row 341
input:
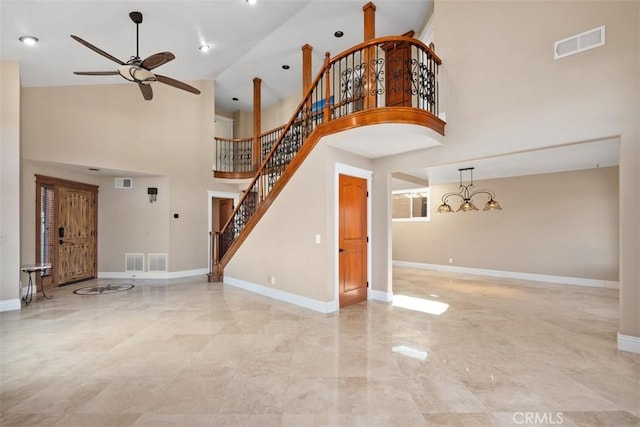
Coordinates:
column 135, row 69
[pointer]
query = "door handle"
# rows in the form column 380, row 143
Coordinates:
column 60, row 241
column 340, row 250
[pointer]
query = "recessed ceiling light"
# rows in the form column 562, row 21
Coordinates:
column 204, row 47
column 29, row 40
column 338, row 34
column 234, row 98
column 285, row 67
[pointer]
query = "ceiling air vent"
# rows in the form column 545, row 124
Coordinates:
column 579, row 43
column 124, row 183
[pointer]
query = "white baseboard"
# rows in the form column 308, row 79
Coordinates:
column 628, row 343
column 151, row 275
column 565, row 280
column 380, row 296
column 10, row 305
column 310, row 303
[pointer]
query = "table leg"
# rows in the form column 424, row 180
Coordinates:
column 42, row 284
column 29, row 296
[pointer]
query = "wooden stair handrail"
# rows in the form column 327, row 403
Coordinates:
column 311, row 140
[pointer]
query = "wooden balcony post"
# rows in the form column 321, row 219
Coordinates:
column 306, row 81
column 306, row 67
column 369, row 56
column 369, row 21
column 257, row 122
column 326, row 113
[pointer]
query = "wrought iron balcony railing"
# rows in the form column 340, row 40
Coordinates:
column 383, row 73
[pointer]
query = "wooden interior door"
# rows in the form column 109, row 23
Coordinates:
column 398, row 73
column 352, row 240
column 224, row 211
column 76, row 233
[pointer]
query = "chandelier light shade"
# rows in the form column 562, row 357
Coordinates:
column 466, row 193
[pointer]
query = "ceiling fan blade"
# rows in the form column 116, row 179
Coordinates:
column 177, row 84
column 146, row 90
column 96, row 73
column 97, row 50
column 154, row 61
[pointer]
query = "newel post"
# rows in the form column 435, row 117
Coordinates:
column 257, row 122
column 306, row 67
column 306, row 81
column 216, row 273
column 369, row 55
column 369, row 21
column 326, row 112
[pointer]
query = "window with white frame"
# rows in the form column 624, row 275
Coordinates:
column 410, row 205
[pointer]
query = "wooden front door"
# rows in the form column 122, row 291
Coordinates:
column 352, row 240
column 76, row 235
column 74, row 229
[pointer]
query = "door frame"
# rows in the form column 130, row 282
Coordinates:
column 55, row 184
column 343, row 169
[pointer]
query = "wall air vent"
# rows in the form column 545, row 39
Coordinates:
column 579, row 43
column 158, row 262
column 133, row 262
column 123, row 183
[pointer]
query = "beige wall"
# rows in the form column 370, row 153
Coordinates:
column 146, row 225
column 273, row 116
column 112, row 127
column 283, row 243
column 242, row 124
column 503, row 92
column 224, row 113
column 280, row 113
column 561, row 224
column 9, row 185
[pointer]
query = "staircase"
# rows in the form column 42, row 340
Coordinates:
column 383, row 80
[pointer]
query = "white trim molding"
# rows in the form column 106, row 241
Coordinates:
column 380, row 296
column 10, row 305
column 564, row 280
column 310, row 303
column 628, row 343
column 343, row 169
column 151, row 275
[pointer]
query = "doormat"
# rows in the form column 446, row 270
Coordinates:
column 103, row 289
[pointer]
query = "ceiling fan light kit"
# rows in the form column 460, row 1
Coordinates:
column 137, row 74
column 136, row 70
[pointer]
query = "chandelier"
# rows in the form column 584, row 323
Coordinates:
column 466, row 193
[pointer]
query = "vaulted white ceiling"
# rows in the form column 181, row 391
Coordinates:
column 247, row 40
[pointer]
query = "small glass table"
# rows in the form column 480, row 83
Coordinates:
column 30, row 269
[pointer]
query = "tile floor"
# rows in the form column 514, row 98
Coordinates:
column 454, row 351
